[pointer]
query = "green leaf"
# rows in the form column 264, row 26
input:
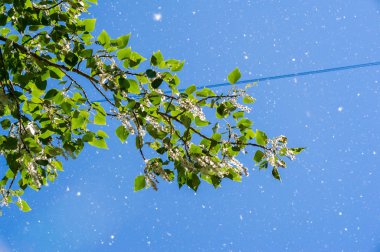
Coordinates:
column 249, row 134
column 238, row 115
column 102, row 134
column 23, row 206
column 51, row 94
column 3, row 19
column 13, row 37
column 195, row 149
column 71, row 59
column 57, row 165
column 133, row 87
column 100, row 116
column 135, row 59
column 155, row 133
column 175, row 65
column 56, row 73
column 258, row 156
column 244, row 124
column 248, row 99
column 212, row 179
column 124, row 53
column 99, row 143
column 261, row 138
column 122, row 41
column 89, row 24
column 234, row 176
column 150, row 73
column 215, row 128
column 5, row 124
column 276, row 174
column 4, row 31
column 296, row 150
column 122, row 133
column 234, row 76
column 155, row 98
column 157, row 82
column 140, row 183
column 86, row 53
column 263, row 165
column 93, row 1
column 123, row 83
column 156, row 58
column 104, row 39
column 191, row 89
column 222, row 111
column 201, row 123
column 205, row 92
column 193, row 181
column 79, row 119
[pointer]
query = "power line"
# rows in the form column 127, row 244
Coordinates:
column 285, row 76
column 293, row 75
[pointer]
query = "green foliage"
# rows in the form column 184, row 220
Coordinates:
column 140, row 183
column 234, row 76
column 52, row 68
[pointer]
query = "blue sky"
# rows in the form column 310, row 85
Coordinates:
column 328, row 200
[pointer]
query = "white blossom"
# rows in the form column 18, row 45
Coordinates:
column 240, row 106
column 125, row 121
column 194, row 109
column 32, row 170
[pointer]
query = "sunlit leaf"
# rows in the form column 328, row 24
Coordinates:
column 234, row 76
column 104, row 39
column 140, row 183
column 23, row 205
column 122, row 133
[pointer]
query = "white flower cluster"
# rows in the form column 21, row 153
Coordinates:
column 32, row 170
column 152, row 168
column 100, row 64
column 194, row 109
column 273, row 160
column 240, row 106
column 66, row 46
column 278, row 144
column 103, row 78
column 4, row 200
column 31, row 128
column 175, row 154
column 290, row 154
column 209, row 165
column 154, row 123
column 126, row 122
column 236, row 163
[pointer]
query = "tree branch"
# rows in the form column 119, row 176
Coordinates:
column 50, row 7
column 48, row 62
column 208, row 138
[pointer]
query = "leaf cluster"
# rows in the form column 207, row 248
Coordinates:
column 51, row 69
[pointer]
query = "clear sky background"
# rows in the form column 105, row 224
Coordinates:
column 329, row 199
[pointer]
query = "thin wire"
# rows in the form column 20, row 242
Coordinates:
column 293, row 75
column 285, row 76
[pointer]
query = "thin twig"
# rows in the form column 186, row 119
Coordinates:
column 210, row 139
column 50, row 7
column 79, row 86
column 138, row 134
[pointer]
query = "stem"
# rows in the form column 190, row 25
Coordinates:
column 79, row 86
column 138, row 134
column 208, row 138
column 49, row 8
